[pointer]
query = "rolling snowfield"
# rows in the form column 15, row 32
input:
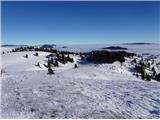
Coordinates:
column 89, row 91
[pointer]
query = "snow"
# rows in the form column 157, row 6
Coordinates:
column 17, row 62
column 90, row 91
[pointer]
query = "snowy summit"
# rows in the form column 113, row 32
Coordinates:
column 77, row 87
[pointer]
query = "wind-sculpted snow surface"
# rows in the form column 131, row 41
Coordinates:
column 89, row 91
column 37, row 95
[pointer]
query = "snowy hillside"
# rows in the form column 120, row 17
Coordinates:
column 89, row 91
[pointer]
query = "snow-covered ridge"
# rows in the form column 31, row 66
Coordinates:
column 89, row 91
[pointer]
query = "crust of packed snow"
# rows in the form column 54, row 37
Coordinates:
column 90, row 91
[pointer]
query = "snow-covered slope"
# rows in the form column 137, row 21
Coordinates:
column 36, row 94
column 90, row 91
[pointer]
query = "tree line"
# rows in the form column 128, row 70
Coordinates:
column 105, row 56
column 146, row 69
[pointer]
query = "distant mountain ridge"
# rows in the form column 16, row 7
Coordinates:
column 115, row 48
column 9, row 45
column 48, row 46
column 43, row 45
column 138, row 43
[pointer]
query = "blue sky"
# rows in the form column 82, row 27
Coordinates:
column 79, row 22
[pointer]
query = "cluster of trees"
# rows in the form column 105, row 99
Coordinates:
column 21, row 49
column 52, row 62
column 64, row 59
column 60, row 57
column 54, row 59
column 33, row 48
column 144, row 65
column 106, row 56
column 4, row 52
column 26, row 56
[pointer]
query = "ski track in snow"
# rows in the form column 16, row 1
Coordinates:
column 90, row 91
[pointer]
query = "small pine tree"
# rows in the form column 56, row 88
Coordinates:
column 56, row 63
column 49, row 64
column 80, row 54
column 70, row 59
column 36, row 54
column 134, row 60
column 148, row 77
column 50, row 71
column 63, row 59
column 157, row 77
column 139, row 68
column 26, row 56
column 75, row 66
column 82, row 57
column 57, row 54
column 154, row 72
column 51, row 60
column 21, row 48
column 137, row 75
column 2, row 71
column 38, row 64
column 143, row 76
